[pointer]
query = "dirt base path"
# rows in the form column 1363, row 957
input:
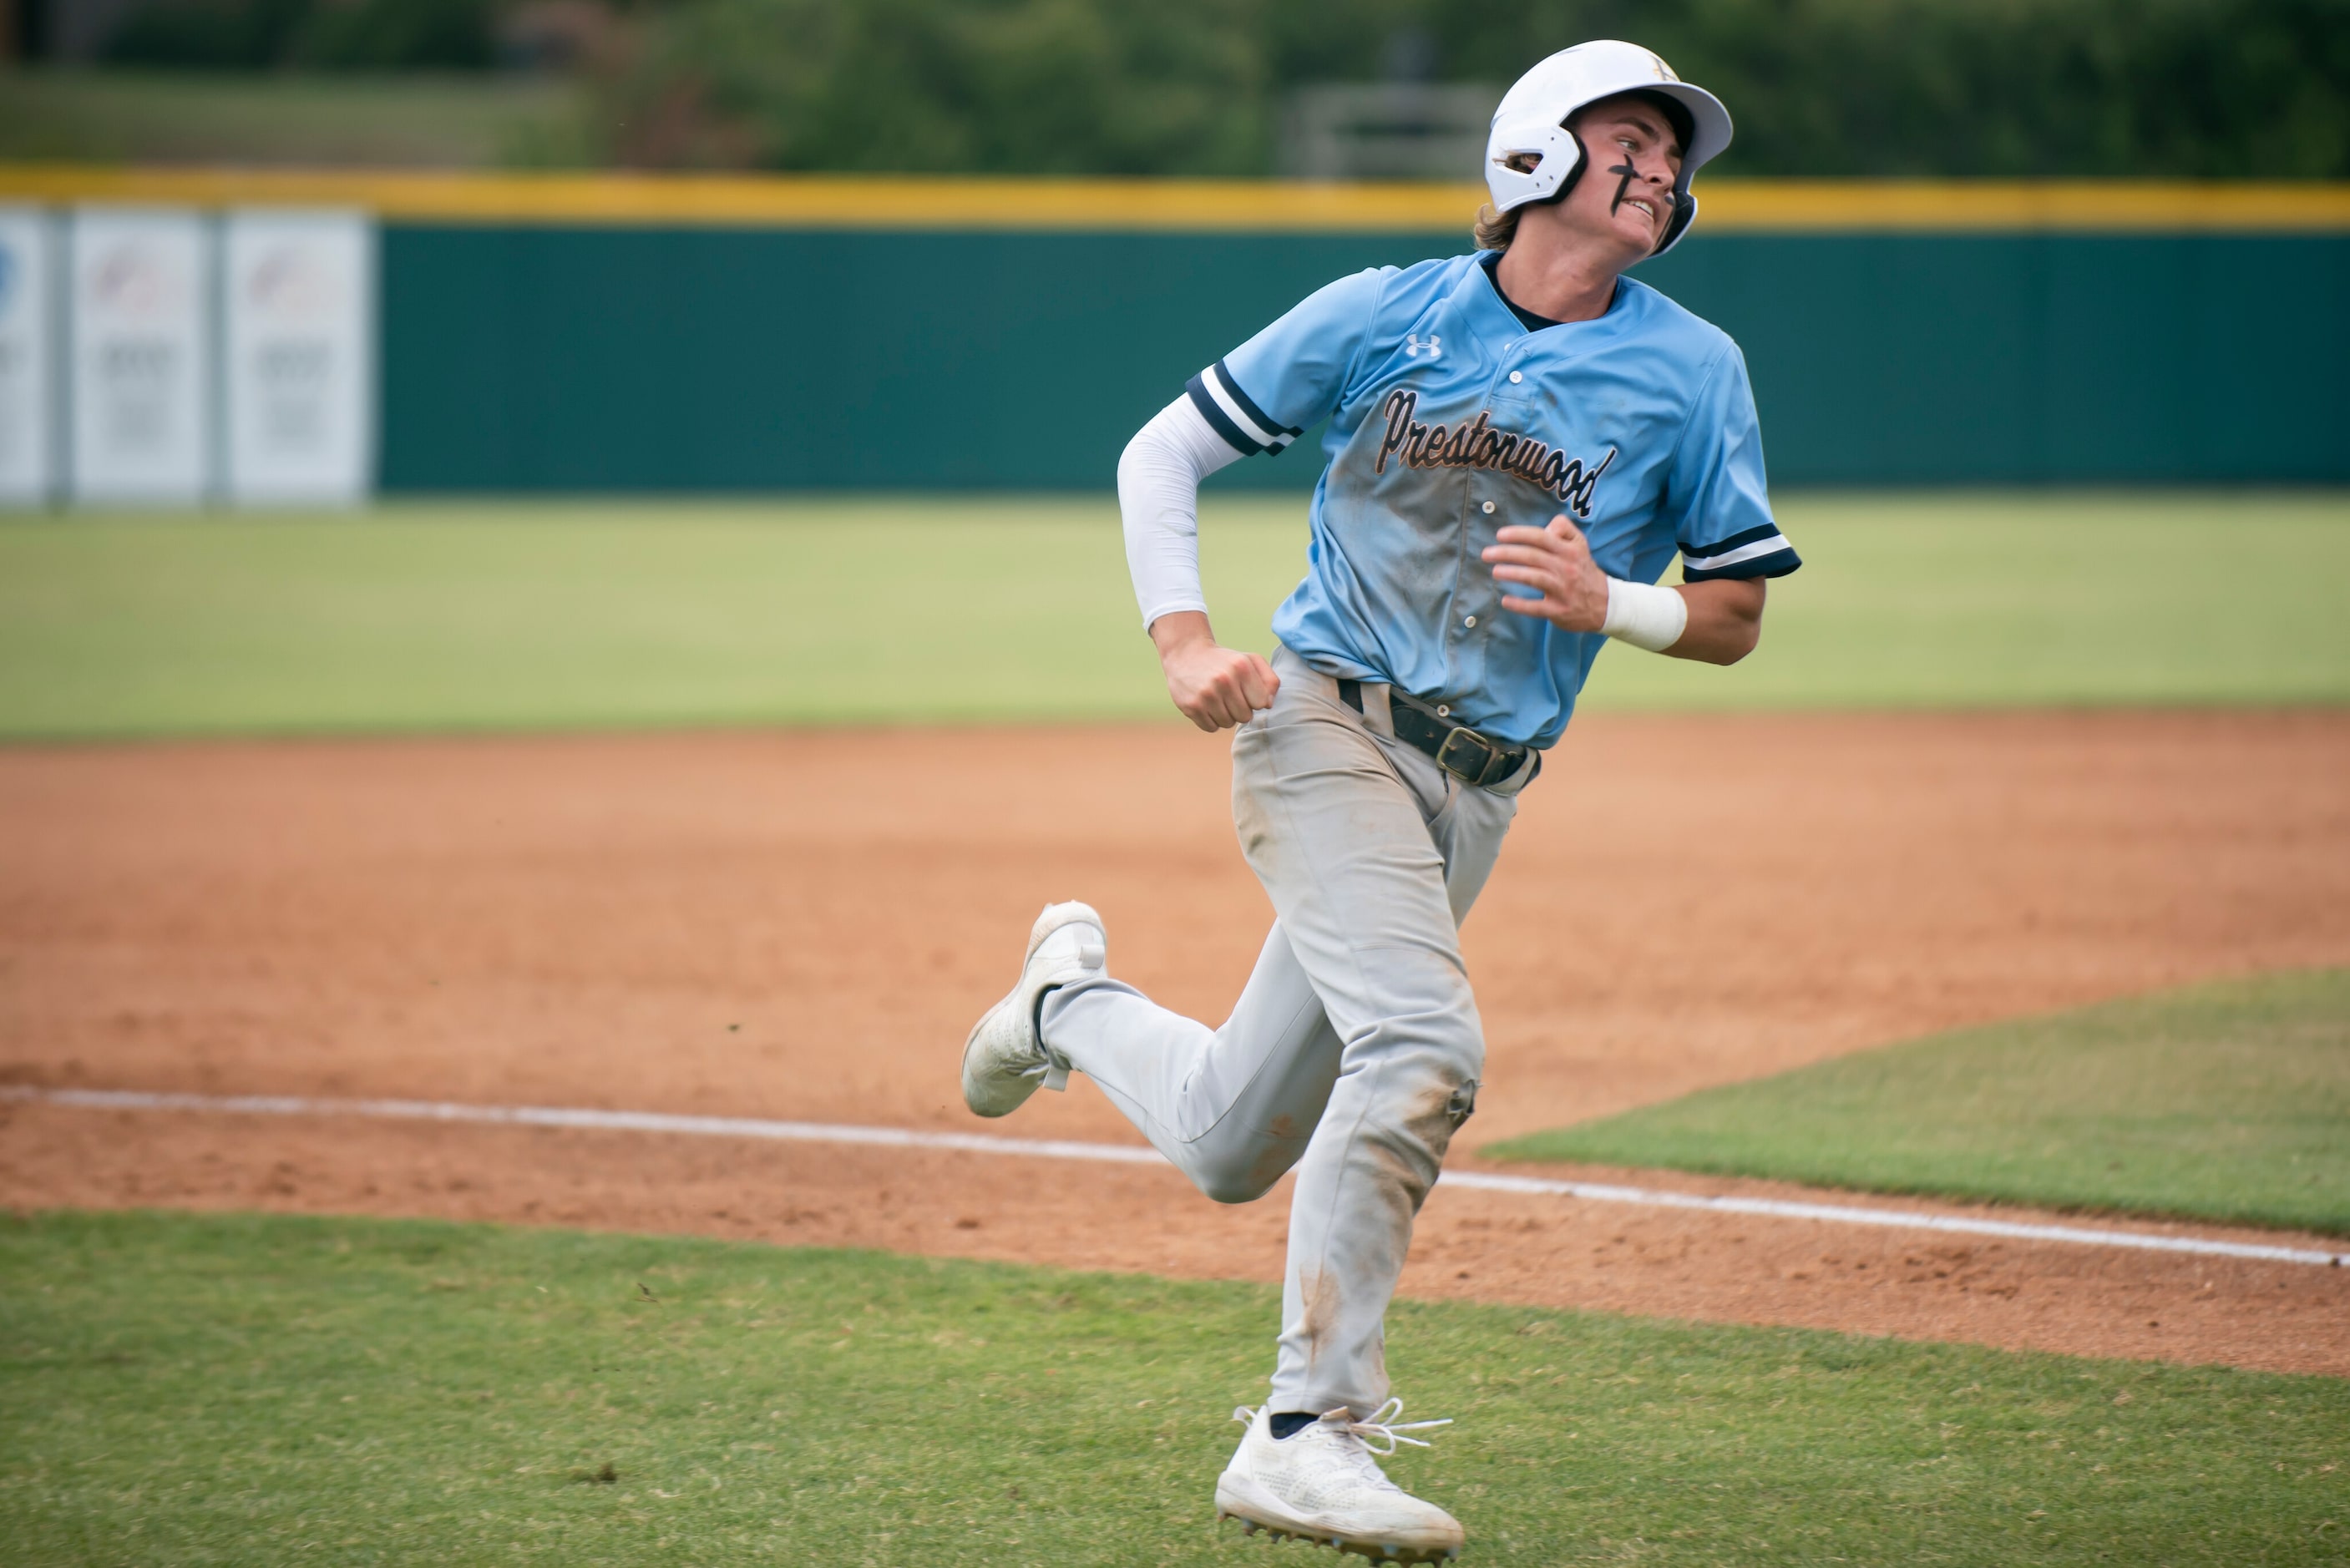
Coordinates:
column 802, row 926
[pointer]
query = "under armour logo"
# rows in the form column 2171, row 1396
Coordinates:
column 1413, row 348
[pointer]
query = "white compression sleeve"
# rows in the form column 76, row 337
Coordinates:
column 1646, row 615
column 1158, row 497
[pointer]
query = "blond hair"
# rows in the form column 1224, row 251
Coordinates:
column 1494, row 231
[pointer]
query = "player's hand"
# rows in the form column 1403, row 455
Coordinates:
column 1557, row 561
column 1215, row 686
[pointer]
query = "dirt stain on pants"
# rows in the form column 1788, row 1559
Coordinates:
column 1358, row 1022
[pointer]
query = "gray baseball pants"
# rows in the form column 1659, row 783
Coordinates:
column 1354, row 1052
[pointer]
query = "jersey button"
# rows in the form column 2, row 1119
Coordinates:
column 1489, row 508
column 1471, row 620
column 1516, row 376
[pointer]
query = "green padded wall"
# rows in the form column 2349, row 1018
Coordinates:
column 552, row 359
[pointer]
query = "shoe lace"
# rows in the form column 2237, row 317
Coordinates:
column 1380, row 1427
column 1383, row 1426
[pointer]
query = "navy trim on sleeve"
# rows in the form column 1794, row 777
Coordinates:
column 1217, row 419
column 1738, row 540
column 1759, row 552
column 1235, row 416
column 1777, row 564
column 1257, row 416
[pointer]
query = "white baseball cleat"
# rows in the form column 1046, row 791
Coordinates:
column 1323, row 1485
column 1004, row 1062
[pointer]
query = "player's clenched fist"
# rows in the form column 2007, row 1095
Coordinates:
column 1555, row 562
column 1216, row 688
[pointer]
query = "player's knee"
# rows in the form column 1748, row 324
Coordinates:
column 1245, row 1172
column 1234, row 1187
column 1418, row 1123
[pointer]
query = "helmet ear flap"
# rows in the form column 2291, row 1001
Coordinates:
column 1684, row 214
column 1582, row 162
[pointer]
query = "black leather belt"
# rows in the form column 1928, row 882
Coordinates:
column 1468, row 756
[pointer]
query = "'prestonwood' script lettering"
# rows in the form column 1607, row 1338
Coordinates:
column 1478, row 444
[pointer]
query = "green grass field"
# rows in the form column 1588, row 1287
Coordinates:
column 242, row 1389
column 2229, row 1101
column 547, row 616
column 251, row 1390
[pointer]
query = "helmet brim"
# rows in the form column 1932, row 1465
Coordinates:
column 1710, row 127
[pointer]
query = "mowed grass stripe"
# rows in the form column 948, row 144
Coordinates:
column 2002, row 599
column 249, row 1389
column 2227, row 1102
column 525, row 617
column 626, row 614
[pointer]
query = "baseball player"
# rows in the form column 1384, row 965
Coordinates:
column 1519, row 440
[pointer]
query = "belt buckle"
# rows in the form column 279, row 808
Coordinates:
column 1476, row 745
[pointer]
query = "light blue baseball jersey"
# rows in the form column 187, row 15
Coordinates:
column 1449, row 420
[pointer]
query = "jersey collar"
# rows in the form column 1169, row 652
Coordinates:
column 1491, row 262
column 1499, row 326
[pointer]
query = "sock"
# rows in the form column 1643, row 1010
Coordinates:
column 1289, row 1423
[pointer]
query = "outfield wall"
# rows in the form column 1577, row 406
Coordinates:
column 574, row 358
column 683, row 334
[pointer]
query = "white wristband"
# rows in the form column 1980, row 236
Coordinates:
column 1645, row 615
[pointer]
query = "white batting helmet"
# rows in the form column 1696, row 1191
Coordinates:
column 1531, row 156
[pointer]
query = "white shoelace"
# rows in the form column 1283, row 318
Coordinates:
column 1382, row 1425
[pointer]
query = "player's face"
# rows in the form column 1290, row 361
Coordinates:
column 1627, row 193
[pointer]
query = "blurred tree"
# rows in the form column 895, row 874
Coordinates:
column 1028, row 86
column 2194, row 88
column 2217, row 88
column 374, row 35
column 220, row 34
column 2208, row 88
column 398, row 34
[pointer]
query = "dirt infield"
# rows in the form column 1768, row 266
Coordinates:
column 802, row 926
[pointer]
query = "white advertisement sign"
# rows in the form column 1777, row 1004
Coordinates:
column 298, row 347
column 28, row 349
column 139, row 288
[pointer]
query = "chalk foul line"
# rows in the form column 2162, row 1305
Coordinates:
column 1126, row 1154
